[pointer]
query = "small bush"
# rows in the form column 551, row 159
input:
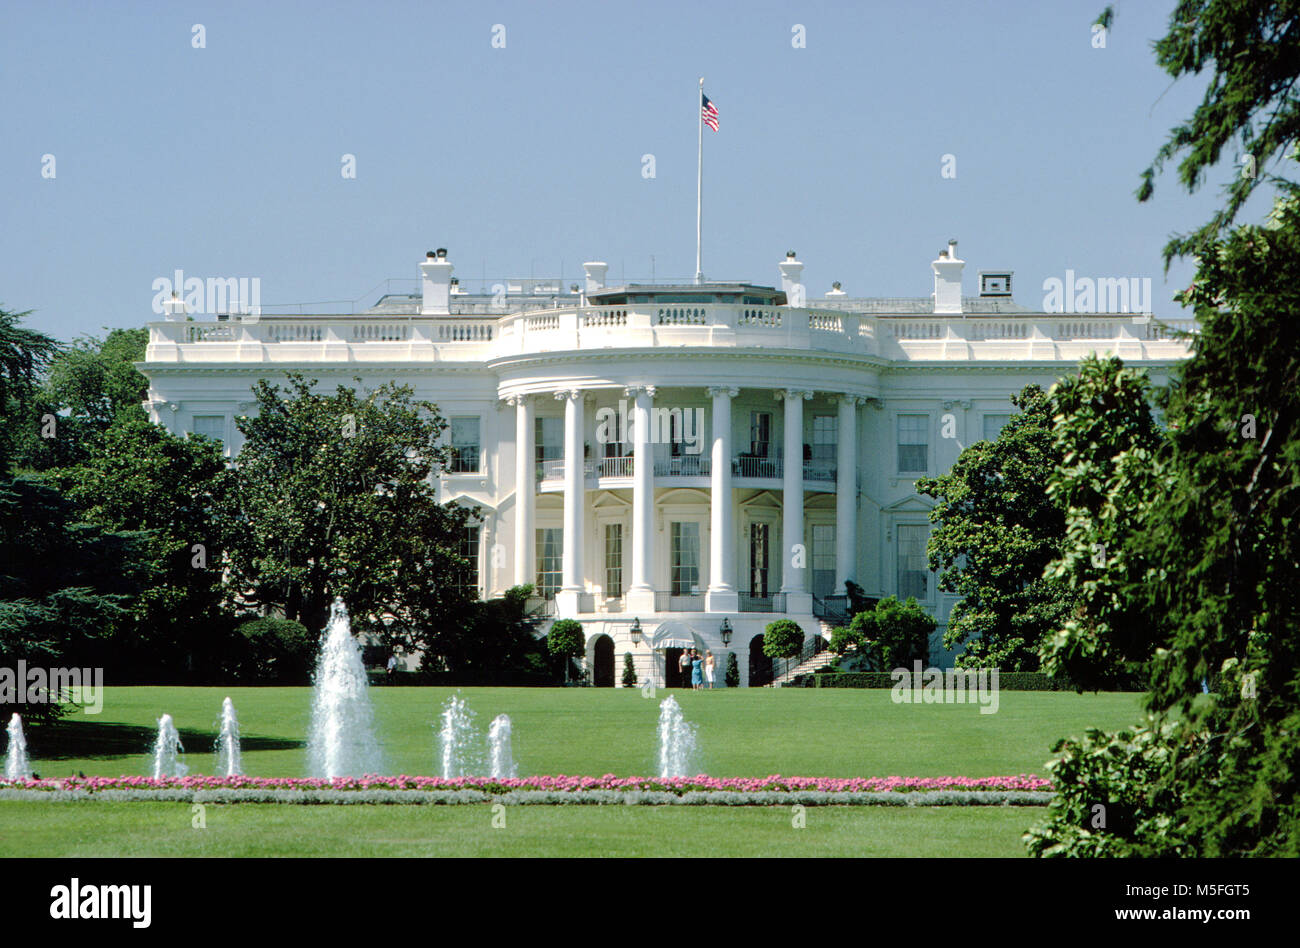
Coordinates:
column 274, row 651
column 732, row 675
column 629, row 671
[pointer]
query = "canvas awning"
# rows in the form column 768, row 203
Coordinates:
column 674, row 634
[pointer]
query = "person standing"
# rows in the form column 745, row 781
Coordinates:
column 684, row 667
column 392, row 667
column 708, row 669
column 697, row 671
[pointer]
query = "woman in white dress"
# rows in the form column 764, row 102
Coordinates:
column 708, row 669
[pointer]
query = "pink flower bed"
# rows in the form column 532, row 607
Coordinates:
column 558, row 783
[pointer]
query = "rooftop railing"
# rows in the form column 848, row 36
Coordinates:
column 711, row 325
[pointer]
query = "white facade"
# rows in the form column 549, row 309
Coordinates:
column 553, row 398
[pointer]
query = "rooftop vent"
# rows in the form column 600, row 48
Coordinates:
column 995, row 283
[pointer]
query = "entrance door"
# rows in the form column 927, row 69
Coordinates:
column 602, row 661
column 760, row 666
column 672, row 674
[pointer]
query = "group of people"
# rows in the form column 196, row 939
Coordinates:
column 698, row 669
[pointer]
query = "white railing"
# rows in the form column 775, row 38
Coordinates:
column 712, row 324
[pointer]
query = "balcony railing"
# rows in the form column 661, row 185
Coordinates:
column 749, row 466
column 685, row 465
column 902, row 335
column 672, row 602
column 775, row 602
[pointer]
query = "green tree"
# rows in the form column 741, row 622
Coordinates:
column 492, row 642
column 566, row 641
column 732, row 675
column 335, row 497
column 1109, row 444
column 1220, row 594
column 783, row 639
column 142, row 478
column 89, row 386
column 997, row 529
column 890, row 635
column 65, row 586
column 629, row 671
column 24, row 354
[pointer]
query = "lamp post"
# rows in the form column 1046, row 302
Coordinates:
column 636, row 631
column 726, row 631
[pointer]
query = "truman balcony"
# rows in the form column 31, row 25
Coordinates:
column 687, row 470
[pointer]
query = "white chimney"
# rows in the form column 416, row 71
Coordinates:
column 947, row 281
column 792, row 280
column 174, row 308
column 435, row 282
column 595, row 271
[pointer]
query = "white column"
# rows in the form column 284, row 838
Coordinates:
column 722, row 595
column 641, row 594
column 794, row 571
column 525, row 491
column 568, row 599
column 846, row 494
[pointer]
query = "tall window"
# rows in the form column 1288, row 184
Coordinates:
column 823, row 559
column 550, row 561
column 825, row 437
column 685, row 557
column 548, row 434
column 465, row 445
column 469, row 549
column 913, row 444
column 210, row 426
column 913, row 574
column 758, row 536
column 613, row 560
column 993, row 425
column 760, row 433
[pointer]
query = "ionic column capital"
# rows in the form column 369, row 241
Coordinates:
column 782, row 394
column 632, row 391
column 570, row 394
column 854, row 400
column 730, row 391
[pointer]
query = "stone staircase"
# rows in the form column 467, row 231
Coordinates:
column 818, row 662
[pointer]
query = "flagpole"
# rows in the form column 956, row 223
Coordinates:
column 699, row 181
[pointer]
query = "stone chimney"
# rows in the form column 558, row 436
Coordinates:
column 792, row 280
column 174, row 308
column 947, row 281
column 435, row 282
column 595, row 271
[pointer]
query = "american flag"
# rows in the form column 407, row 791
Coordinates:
column 709, row 113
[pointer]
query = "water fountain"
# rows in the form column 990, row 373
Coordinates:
column 167, row 750
column 17, row 766
column 501, row 761
column 229, row 763
column 341, row 742
column 459, row 747
column 677, row 748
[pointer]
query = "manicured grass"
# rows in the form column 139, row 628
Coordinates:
column 742, row 732
column 87, row 829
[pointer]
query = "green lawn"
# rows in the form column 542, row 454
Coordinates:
column 165, row 829
column 803, row 732
column 742, row 732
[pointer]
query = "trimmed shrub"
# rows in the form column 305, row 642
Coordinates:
column 273, row 651
column 629, row 671
column 732, row 675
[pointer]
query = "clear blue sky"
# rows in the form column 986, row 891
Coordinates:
column 225, row 161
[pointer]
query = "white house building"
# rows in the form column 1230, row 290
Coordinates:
column 675, row 465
